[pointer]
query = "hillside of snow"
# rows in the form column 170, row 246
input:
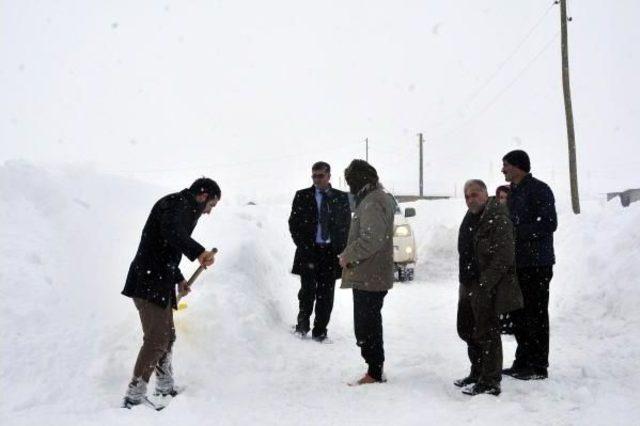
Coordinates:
column 69, row 339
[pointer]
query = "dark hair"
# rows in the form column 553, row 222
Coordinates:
column 519, row 159
column 205, row 186
column 360, row 173
column 502, row 188
column 321, row 165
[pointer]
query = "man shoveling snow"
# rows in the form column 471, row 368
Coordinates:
column 152, row 279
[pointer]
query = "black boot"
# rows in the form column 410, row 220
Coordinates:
column 319, row 337
column 530, row 374
column 481, row 388
column 469, row 380
column 514, row 369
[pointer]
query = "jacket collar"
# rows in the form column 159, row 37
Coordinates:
column 528, row 178
column 366, row 190
column 490, row 208
column 191, row 199
column 328, row 190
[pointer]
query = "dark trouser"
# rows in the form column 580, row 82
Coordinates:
column 531, row 323
column 159, row 335
column 317, row 287
column 479, row 327
column 367, row 322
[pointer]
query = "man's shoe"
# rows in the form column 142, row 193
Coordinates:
column 530, row 374
column 541, row 373
column 481, row 388
column 469, row 380
column 320, row 337
column 299, row 332
column 367, row 380
column 512, row 371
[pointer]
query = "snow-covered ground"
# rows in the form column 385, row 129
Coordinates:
column 69, row 339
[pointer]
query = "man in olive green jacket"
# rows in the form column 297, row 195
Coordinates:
column 488, row 286
column 367, row 263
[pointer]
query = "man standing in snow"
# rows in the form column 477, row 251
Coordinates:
column 533, row 213
column 367, row 263
column 153, row 276
column 488, row 286
column 319, row 225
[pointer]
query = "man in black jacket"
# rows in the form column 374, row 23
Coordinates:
column 154, row 274
column 319, row 226
column 533, row 213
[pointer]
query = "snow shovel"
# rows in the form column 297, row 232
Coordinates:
column 196, row 274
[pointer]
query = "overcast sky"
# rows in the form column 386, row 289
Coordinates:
column 252, row 92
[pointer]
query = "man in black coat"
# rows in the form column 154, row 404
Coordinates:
column 532, row 208
column 154, row 274
column 319, row 226
column 488, row 286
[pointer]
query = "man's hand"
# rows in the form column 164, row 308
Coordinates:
column 343, row 261
column 206, row 258
column 184, row 288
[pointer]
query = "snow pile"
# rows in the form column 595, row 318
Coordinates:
column 69, row 339
column 595, row 299
column 64, row 249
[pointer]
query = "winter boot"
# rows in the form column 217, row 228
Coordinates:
column 136, row 393
column 164, row 376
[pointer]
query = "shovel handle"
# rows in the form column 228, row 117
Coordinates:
column 195, row 275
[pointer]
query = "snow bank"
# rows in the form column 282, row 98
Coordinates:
column 69, row 338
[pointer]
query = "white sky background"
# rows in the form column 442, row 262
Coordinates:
column 251, row 93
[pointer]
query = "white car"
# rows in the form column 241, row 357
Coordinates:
column 404, row 243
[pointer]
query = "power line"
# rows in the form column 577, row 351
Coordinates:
column 474, row 94
column 503, row 90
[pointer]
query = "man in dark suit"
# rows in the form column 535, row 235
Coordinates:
column 319, row 226
column 153, row 276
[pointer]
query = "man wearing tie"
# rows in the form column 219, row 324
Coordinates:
column 319, row 226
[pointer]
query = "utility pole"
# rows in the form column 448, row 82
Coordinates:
column 366, row 142
column 573, row 168
column 421, row 162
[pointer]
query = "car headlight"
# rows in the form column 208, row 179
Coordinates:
column 402, row 231
column 408, row 250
